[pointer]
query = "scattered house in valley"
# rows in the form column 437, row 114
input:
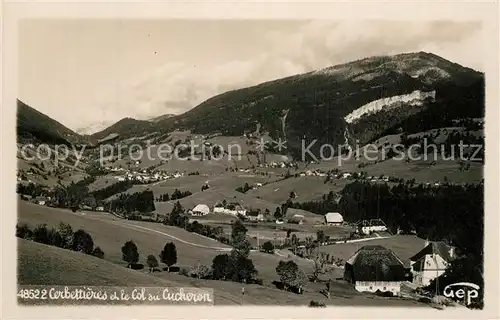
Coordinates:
column 255, row 215
column 200, row 210
column 99, row 208
column 369, row 226
column 431, row 262
column 86, row 207
column 297, row 218
column 346, row 175
column 333, row 219
column 375, row 268
column 231, row 208
column 41, row 200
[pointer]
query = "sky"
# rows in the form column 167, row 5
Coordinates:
column 88, row 74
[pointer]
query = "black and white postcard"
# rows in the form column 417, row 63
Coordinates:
column 304, row 158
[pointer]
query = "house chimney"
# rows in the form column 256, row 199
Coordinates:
column 452, row 252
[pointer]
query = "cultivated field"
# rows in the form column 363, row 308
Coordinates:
column 310, row 188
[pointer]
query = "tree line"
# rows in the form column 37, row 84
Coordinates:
column 176, row 195
column 62, row 237
column 451, row 213
column 126, row 204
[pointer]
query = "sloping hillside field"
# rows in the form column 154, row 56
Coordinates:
column 63, row 267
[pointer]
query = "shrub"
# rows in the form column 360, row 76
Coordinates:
column 152, row 262
column 184, row 272
column 97, row 252
column 41, row 234
column 82, row 242
column 23, row 231
column 200, row 271
column 130, row 253
column 268, row 247
column 316, row 304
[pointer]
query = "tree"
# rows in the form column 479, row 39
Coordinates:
column 244, row 269
column 284, row 208
column 152, row 262
column 41, row 234
column 66, row 233
column 268, row 247
column 169, row 255
column 288, row 232
column 239, row 240
column 277, row 213
column 23, row 231
column 310, row 245
column 90, row 201
column 97, row 252
column 82, row 242
column 295, row 243
column 221, row 267
column 176, row 217
column 130, row 253
column 320, row 236
column 319, row 263
column 200, row 271
column 290, row 275
column 267, row 212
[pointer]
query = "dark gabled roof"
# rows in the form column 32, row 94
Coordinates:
column 438, row 247
column 376, row 263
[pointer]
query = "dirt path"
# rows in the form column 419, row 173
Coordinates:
column 133, row 226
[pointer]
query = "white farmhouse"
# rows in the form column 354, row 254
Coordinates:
column 232, row 209
column 200, row 210
column 334, row 218
column 375, row 268
column 431, row 262
column 346, row 175
column 374, row 225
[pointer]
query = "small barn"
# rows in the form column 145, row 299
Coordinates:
column 334, row 218
column 200, row 210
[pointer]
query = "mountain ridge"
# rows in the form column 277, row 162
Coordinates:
column 316, row 103
column 35, row 126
